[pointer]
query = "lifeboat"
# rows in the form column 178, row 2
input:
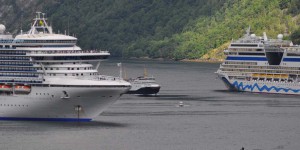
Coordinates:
column 5, row 88
column 22, row 88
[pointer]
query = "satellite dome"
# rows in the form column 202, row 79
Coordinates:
column 253, row 36
column 280, row 36
column 2, row 28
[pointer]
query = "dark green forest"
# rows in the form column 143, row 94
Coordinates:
column 172, row 29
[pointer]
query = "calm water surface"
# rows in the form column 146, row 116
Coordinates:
column 212, row 118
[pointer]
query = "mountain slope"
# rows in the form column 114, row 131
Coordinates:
column 181, row 29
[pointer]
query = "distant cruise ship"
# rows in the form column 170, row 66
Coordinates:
column 45, row 76
column 259, row 64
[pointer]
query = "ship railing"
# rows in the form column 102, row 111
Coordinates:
column 274, row 50
column 69, row 52
column 8, row 48
column 103, row 77
column 110, row 78
column 1, row 64
column 246, row 41
column 292, row 49
column 20, row 80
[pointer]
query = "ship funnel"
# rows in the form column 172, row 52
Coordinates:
column 265, row 37
column 280, row 36
column 2, row 29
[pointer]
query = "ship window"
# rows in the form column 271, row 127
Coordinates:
column 66, row 74
column 68, row 68
column 77, row 68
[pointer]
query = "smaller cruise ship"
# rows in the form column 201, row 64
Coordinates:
column 259, row 64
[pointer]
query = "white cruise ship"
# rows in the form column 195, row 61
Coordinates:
column 259, row 64
column 46, row 77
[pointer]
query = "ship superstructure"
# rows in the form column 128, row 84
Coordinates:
column 46, row 76
column 259, row 64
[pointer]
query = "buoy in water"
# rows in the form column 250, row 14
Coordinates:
column 181, row 104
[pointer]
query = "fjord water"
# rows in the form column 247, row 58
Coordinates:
column 211, row 119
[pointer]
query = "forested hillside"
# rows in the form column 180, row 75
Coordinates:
column 174, row 29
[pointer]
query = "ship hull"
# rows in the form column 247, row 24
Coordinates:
column 52, row 104
column 262, row 86
column 145, row 91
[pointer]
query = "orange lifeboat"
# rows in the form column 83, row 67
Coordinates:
column 5, row 88
column 22, row 88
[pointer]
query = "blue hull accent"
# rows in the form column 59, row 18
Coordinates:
column 229, row 85
column 241, row 87
column 291, row 59
column 247, row 58
column 46, row 119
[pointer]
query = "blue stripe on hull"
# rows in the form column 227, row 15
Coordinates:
column 247, row 58
column 228, row 84
column 291, row 59
column 240, row 86
column 46, row 119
